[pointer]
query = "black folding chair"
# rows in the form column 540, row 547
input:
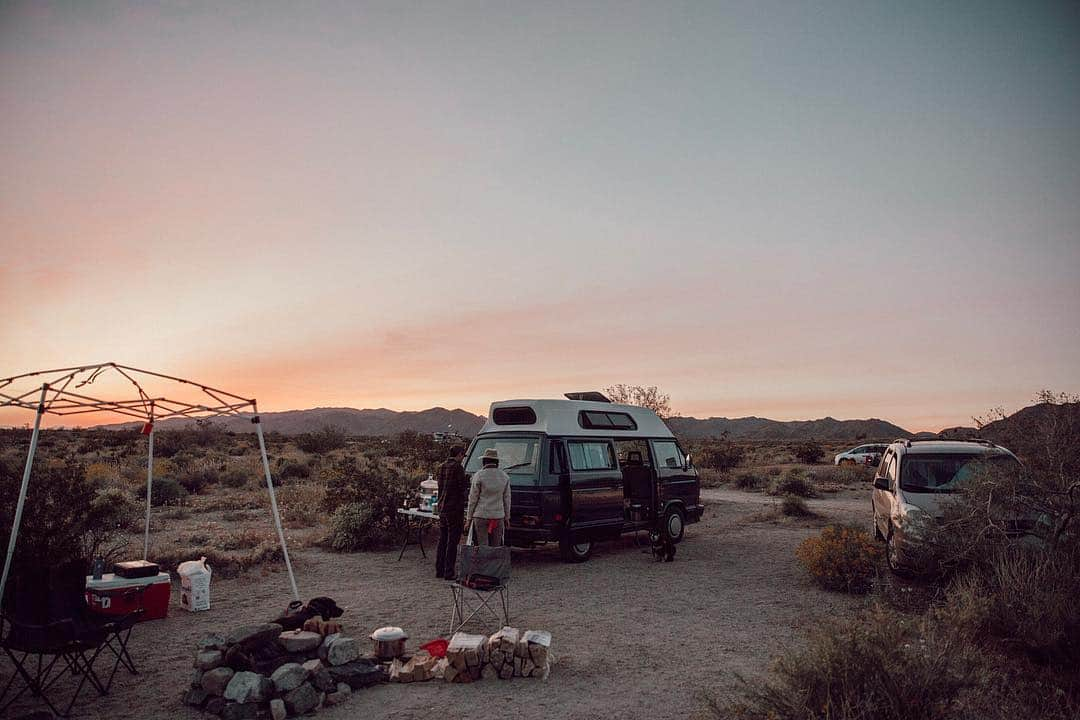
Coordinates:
column 44, row 644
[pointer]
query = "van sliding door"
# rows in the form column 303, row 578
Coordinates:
column 596, row 484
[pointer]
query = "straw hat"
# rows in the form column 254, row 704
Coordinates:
column 490, row 454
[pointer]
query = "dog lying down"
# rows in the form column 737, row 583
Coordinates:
column 316, row 616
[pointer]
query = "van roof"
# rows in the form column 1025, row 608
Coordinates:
column 560, row 417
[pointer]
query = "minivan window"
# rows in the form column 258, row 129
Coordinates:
column 668, row 454
column 519, row 457
column 944, row 473
column 591, row 456
column 598, row 420
column 513, row 416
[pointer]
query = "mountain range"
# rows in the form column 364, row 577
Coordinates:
column 390, row 422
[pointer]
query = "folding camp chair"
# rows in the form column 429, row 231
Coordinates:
column 472, row 605
column 46, row 639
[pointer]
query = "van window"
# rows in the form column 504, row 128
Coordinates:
column 603, row 420
column 513, row 416
column 591, row 456
column 668, row 454
column 519, row 457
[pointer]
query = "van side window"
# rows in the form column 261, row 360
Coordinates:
column 668, row 454
column 591, row 455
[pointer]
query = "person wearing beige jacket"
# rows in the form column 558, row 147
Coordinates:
column 489, row 501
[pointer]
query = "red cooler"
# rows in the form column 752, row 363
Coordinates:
column 115, row 595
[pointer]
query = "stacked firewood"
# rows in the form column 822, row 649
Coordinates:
column 465, row 658
column 512, row 653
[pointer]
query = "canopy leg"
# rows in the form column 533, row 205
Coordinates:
column 149, row 490
column 273, row 505
column 22, row 491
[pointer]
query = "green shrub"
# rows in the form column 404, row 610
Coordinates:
column 809, row 452
column 292, row 470
column 235, row 478
column 353, row 526
column 323, row 441
column 198, row 479
column 379, row 492
column 841, row 558
column 166, row 491
column 721, row 456
column 792, row 483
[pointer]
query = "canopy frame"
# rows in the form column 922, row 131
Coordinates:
column 56, row 396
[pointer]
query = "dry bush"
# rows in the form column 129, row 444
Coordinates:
column 809, row 452
column 224, row 564
column 327, row 439
column 165, row 491
column 792, row 483
column 711, row 478
column 749, row 480
column 842, row 474
column 720, row 456
column 842, row 558
column 235, row 478
column 793, row 506
column 301, row 505
column 243, row 539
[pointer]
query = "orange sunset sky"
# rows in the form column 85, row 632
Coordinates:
column 861, row 210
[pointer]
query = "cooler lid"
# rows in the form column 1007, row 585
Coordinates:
column 110, row 581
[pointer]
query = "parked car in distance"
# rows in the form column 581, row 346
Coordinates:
column 912, row 483
column 861, row 455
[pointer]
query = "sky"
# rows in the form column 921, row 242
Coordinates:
column 782, row 209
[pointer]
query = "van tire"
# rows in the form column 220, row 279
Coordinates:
column 673, row 525
column 575, row 552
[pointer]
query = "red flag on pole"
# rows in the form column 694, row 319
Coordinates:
column 147, row 428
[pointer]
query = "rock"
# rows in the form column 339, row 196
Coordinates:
column 323, row 680
column 196, row 678
column 343, row 650
column 213, row 641
column 277, row 709
column 237, row 659
column 248, row 687
column 215, row 705
column 209, row 659
column 341, row 694
column 301, row 700
column 289, row 677
column 251, row 636
column 313, row 666
column 358, row 674
column 324, row 649
column 240, row 711
column 295, row 641
column 215, row 681
column 195, row 697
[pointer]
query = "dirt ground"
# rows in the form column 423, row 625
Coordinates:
column 634, row 638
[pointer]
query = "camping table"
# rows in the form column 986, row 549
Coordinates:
column 422, row 519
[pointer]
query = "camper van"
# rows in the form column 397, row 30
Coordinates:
column 585, row 469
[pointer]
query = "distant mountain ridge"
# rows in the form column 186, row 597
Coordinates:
column 755, row 428
column 382, row 421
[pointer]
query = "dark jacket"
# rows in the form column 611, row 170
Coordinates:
column 453, row 491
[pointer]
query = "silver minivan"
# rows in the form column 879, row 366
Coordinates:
column 914, row 481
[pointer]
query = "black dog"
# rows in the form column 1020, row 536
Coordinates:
column 295, row 616
column 662, row 547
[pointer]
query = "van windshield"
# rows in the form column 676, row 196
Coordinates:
column 945, row 473
column 518, row 456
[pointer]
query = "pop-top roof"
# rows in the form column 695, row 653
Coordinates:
column 564, row 417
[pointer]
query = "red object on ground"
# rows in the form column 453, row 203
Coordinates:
column 115, row 595
column 436, row 648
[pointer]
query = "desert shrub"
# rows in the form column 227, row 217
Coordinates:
column 234, row 478
column 841, row 558
column 353, row 526
column 301, row 503
column 165, row 491
column 195, row 480
column 793, row 506
column 881, row 666
column 774, row 471
column 721, row 456
column 378, row 491
column 749, row 481
column 224, row 564
column 323, row 441
column 792, row 483
column 420, row 448
column 291, row 470
column 234, row 515
column 711, row 478
column 809, row 452
column 244, row 539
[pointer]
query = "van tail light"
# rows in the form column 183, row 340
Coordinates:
column 558, row 517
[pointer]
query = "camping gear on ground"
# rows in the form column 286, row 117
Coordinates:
column 195, row 584
column 118, row 596
column 436, row 648
column 465, row 655
column 429, row 494
column 473, row 559
column 389, row 642
column 418, row 668
column 136, row 569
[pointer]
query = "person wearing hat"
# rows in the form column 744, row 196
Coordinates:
column 489, row 501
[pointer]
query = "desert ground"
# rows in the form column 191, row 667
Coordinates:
column 634, row 638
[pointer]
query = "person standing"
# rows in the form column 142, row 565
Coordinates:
column 453, row 494
column 489, row 500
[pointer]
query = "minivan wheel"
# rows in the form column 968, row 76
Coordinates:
column 575, row 551
column 674, row 526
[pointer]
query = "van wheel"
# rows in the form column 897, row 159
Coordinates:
column 674, row 525
column 575, row 552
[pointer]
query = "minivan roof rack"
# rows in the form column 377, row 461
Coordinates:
column 981, row 441
column 590, row 396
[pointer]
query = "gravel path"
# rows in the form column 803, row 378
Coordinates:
column 634, row 638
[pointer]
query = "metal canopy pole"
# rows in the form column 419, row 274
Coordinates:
column 273, row 501
column 22, row 490
column 149, row 483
